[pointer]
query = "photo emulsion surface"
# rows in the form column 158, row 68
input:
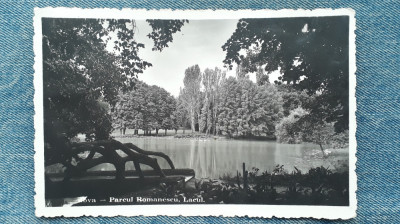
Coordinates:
column 189, row 111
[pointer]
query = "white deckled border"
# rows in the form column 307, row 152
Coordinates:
column 266, row 211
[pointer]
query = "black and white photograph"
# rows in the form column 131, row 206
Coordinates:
column 189, row 110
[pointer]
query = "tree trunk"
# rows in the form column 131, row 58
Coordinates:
column 165, row 132
column 198, row 121
column 156, row 131
column 322, row 149
column 192, row 120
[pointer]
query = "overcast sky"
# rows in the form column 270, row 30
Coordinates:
column 199, row 42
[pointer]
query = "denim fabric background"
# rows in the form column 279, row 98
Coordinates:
column 378, row 104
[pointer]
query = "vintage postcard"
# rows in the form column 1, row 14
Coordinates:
column 195, row 113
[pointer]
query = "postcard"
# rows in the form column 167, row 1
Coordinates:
column 195, row 113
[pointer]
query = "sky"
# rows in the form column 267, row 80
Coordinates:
column 199, row 42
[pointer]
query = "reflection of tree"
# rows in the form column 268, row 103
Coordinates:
column 211, row 159
column 194, row 156
column 204, row 159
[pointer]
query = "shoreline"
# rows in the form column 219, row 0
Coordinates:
column 194, row 136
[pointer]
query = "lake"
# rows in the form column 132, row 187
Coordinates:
column 215, row 158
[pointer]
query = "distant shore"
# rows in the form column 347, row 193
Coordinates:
column 190, row 135
column 177, row 136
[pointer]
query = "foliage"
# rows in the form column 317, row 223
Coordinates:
column 293, row 98
column 287, row 129
column 79, row 71
column 163, row 30
column 299, row 127
column 261, row 77
column 247, row 109
column 181, row 113
column 340, row 140
column 146, row 107
column 235, row 107
column 82, row 77
column 310, row 52
column 211, row 80
column 317, row 186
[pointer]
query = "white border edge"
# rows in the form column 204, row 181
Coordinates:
column 264, row 211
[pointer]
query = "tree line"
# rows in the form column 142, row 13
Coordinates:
column 148, row 108
column 214, row 104
column 308, row 102
column 231, row 106
column 83, row 79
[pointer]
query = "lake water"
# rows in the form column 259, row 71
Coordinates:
column 214, row 158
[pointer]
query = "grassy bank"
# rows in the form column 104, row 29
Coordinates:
column 317, row 186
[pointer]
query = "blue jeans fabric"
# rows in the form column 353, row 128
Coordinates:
column 378, row 106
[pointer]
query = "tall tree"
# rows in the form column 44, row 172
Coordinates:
column 311, row 53
column 217, row 82
column 191, row 92
column 211, row 82
column 206, row 111
column 79, row 72
column 230, row 102
column 181, row 112
column 247, row 109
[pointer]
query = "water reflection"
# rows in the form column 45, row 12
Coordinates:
column 215, row 158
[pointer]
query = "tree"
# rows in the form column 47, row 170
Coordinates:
column 299, row 127
column 165, row 106
column 288, row 130
column 181, row 112
column 261, row 77
column 293, row 98
column 191, row 91
column 211, row 80
column 146, row 107
column 79, row 73
column 311, row 53
column 78, row 69
column 267, row 110
column 229, row 98
column 247, row 109
column 320, row 133
column 241, row 72
column 217, row 81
